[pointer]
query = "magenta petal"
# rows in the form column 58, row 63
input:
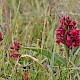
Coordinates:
column 17, row 45
column 74, row 22
column 69, row 41
column 71, row 24
column 62, row 20
column 59, row 32
column 74, row 32
column 15, row 55
column 11, row 47
column 58, row 41
column 60, row 27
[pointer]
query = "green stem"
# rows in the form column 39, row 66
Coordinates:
column 67, row 52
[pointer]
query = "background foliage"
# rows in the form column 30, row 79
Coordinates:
column 33, row 23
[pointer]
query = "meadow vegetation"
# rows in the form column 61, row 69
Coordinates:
column 28, row 48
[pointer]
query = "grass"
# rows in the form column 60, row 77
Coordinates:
column 33, row 23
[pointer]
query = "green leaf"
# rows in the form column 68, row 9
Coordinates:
column 76, row 52
column 78, row 62
column 52, row 60
column 61, row 59
column 47, row 53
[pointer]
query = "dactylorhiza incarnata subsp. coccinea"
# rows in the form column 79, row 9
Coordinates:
column 68, row 32
column 15, row 48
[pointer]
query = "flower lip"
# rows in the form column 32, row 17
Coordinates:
column 72, row 25
column 58, row 41
column 68, row 41
column 15, row 55
column 17, row 43
column 11, row 47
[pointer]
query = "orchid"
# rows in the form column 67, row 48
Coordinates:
column 15, row 48
column 67, row 32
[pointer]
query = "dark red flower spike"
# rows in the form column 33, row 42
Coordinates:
column 67, row 32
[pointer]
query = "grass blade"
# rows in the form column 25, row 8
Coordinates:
column 36, row 60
